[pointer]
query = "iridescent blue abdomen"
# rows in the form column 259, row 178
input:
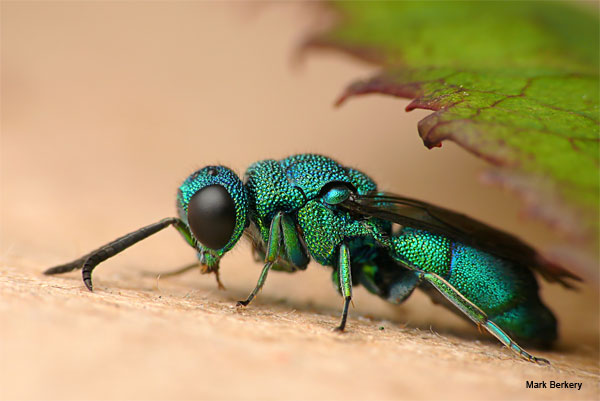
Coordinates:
column 504, row 290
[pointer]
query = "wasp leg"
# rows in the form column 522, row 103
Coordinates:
column 172, row 273
column 345, row 283
column 272, row 253
column 261, row 281
column 88, row 262
column 295, row 252
column 477, row 315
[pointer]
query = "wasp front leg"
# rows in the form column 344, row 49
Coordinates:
column 271, row 255
column 284, row 251
column 345, row 276
column 172, row 273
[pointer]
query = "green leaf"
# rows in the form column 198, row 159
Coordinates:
column 515, row 83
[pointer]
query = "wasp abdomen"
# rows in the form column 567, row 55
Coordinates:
column 505, row 291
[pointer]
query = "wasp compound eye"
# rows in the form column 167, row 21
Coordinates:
column 211, row 216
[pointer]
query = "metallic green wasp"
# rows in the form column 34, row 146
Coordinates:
column 309, row 206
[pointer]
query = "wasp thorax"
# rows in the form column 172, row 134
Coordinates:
column 211, row 216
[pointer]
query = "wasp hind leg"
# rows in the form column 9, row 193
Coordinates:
column 478, row 316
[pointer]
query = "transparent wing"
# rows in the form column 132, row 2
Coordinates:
column 421, row 215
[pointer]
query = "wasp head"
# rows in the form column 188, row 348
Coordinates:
column 213, row 203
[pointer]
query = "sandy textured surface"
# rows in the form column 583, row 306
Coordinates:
column 134, row 340
column 107, row 107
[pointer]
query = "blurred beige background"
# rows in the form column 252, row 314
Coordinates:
column 106, row 107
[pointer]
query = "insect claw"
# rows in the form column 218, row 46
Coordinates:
column 220, row 285
column 542, row 361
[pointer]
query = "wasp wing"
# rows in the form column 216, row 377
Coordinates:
column 459, row 227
